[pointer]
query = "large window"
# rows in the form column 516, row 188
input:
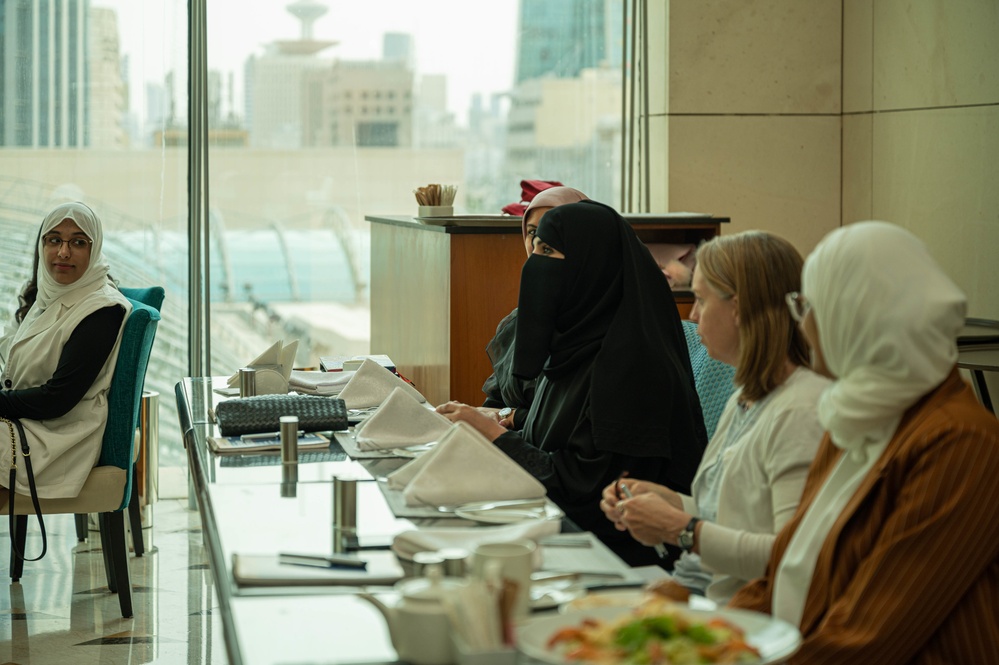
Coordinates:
column 319, row 113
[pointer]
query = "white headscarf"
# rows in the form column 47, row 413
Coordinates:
column 49, row 290
column 899, row 345
column 897, row 348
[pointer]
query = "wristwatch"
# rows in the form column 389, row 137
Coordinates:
column 686, row 538
column 504, row 412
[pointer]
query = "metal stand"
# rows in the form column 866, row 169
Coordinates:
column 147, row 464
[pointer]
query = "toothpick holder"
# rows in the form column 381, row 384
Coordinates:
column 436, row 211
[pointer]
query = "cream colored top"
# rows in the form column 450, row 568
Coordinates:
column 760, row 485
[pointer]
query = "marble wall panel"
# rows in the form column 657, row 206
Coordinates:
column 857, row 164
column 935, row 53
column 659, row 163
column 858, row 55
column 935, row 173
column 780, row 174
column 755, row 56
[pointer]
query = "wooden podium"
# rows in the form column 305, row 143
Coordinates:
column 439, row 287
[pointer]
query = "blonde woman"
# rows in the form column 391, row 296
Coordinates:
column 749, row 481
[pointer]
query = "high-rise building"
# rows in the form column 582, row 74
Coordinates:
column 276, row 83
column 61, row 84
column 365, row 103
column 561, row 38
column 107, row 92
column 399, row 47
column 565, row 108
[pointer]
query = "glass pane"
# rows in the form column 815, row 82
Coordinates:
column 324, row 112
column 86, row 90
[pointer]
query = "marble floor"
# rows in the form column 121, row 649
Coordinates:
column 61, row 611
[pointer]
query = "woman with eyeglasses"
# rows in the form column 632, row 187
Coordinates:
column 59, row 354
column 749, row 481
column 893, row 554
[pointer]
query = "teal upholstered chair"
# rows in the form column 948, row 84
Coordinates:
column 153, row 297
column 108, row 489
column 713, row 379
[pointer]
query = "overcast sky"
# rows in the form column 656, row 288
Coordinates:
column 472, row 42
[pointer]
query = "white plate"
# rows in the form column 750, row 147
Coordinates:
column 626, row 598
column 775, row 639
column 616, row 598
column 547, row 595
column 503, row 514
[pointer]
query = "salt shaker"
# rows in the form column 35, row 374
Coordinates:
column 289, row 439
column 344, row 513
column 455, row 561
column 247, row 382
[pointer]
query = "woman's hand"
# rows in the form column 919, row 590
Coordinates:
column 651, row 519
column 485, row 425
column 613, row 493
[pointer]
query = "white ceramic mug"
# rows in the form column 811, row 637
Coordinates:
column 516, row 562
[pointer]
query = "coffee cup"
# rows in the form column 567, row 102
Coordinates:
column 515, row 561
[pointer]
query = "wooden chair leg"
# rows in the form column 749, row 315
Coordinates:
column 82, row 526
column 19, row 538
column 109, row 568
column 135, row 516
column 115, row 527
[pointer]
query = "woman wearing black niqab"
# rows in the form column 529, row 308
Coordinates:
column 597, row 322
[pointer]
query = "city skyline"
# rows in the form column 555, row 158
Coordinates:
column 152, row 31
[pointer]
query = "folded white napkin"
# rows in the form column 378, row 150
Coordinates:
column 464, row 467
column 400, row 421
column 371, row 384
column 273, row 364
column 318, row 383
column 408, row 543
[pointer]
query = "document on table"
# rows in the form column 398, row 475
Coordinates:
column 267, row 570
column 270, row 441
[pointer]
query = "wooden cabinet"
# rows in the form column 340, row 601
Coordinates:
column 438, row 291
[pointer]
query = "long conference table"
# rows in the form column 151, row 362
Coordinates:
column 252, row 510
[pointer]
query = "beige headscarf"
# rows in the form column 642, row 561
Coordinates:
column 550, row 198
column 902, row 342
column 49, row 290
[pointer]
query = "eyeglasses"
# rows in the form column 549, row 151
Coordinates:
column 798, row 305
column 55, row 242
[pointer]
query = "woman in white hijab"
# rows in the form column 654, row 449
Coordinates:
column 59, row 357
column 893, row 555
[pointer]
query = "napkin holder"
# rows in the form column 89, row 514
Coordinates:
column 273, row 369
column 270, row 379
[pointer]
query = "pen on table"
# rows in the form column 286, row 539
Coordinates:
column 265, row 435
column 660, row 550
column 330, row 561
